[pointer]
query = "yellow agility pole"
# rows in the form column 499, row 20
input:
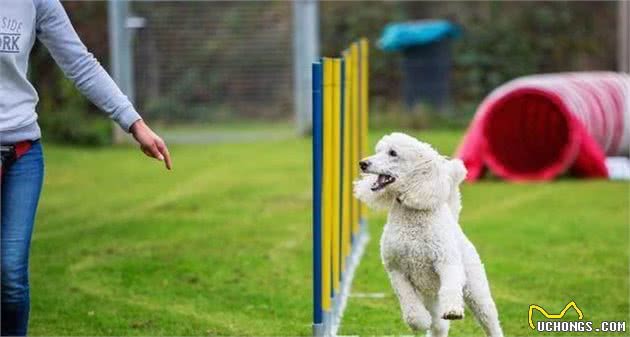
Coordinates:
column 346, row 207
column 336, row 177
column 364, row 51
column 327, row 184
column 355, row 132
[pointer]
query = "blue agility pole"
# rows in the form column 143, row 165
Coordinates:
column 318, row 314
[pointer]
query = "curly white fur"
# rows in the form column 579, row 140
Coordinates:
column 432, row 265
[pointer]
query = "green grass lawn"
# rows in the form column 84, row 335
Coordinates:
column 221, row 245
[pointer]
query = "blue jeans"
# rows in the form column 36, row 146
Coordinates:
column 21, row 186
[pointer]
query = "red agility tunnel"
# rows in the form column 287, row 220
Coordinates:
column 541, row 126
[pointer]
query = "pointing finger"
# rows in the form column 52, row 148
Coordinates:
column 164, row 151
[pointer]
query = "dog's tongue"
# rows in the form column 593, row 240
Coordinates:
column 378, row 183
column 382, row 179
column 375, row 185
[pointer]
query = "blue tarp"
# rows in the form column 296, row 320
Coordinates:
column 402, row 35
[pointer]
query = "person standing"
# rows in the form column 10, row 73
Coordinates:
column 22, row 172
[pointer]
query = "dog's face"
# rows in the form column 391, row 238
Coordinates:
column 406, row 170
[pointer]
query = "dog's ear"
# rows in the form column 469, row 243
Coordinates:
column 457, row 174
column 376, row 200
column 427, row 186
column 457, row 171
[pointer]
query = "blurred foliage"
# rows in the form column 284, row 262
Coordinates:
column 501, row 41
column 516, row 39
column 65, row 115
column 68, row 122
column 214, row 61
column 342, row 22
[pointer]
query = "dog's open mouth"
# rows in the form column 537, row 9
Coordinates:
column 382, row 181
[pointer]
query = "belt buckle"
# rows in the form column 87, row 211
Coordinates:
column 7, row 153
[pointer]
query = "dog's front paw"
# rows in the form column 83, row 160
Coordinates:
column 452, row 308
column 453, row 314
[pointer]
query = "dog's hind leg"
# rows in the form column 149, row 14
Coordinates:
column 477, row 294
column 413, row 310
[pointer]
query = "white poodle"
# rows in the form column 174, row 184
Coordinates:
column 432, row 265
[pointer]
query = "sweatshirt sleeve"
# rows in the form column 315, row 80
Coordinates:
column 55, row 31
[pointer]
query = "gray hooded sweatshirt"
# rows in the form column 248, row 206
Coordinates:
column 21, row 21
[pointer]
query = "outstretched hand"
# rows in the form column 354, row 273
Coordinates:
column 150, row 143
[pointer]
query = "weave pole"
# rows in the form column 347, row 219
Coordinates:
column 318, row 312
column 364, row 112
column 340, row 96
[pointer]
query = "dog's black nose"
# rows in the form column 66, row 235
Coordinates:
column 364, row 165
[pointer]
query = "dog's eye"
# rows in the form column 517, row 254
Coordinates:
column 393, row 153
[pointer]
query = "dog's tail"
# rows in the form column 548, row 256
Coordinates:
column 457, row 174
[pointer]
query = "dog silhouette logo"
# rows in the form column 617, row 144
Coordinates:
column 553, row 316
